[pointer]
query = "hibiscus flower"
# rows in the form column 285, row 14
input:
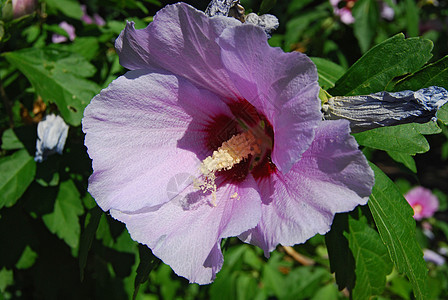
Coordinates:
column 423, row 202
column 213, row 134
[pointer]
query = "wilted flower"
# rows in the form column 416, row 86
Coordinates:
column 51, row 135
column 424, row 203
column 57, row 38
column 213, row 134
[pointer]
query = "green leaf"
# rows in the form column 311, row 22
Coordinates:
column 147, row 263
column 6, row 279
column 87, row 238
column 27, row 259
column 402, row 138
column 342, row 262
column 63, row 221
column 58, row 77
column 432, row 74
column 405, row 159
column 412, row 19
column 428, row 128
column 10, row 141
column 393, row 218
column 328, row 72
column 373, row 72
column 371, row 257
column 442, row 114
column 16, row 173
column 366, row 14
column 70, row 8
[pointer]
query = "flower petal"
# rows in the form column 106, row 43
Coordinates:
column 332, row 176
column 141, row 132
column 186, row 232
column 283, row 86
column 181, row 39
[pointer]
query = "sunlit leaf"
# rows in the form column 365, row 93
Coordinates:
column 371, row 257
column 393, row 218
column 373, row 72
column 27, row 259
column 16, row 173
column 57, row 76
column 433, row 74
column 402, row 138
column 64, row 220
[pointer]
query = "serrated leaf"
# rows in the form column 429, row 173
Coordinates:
column 70, row 8
column 87, row 238
column 64, row 221
column 371, row 257
column 405, row 159
column 393, row 218
column 17, row 171
column 373, row 72
column 401, row 138
column 10, row 141
column 57, row 76
column 432, row 74
column 328, row 72
column 366, row 14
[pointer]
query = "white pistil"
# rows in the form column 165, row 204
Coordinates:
column 231, row 152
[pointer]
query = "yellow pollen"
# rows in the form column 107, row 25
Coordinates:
column 231, row 152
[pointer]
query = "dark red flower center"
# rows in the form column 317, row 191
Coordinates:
column 247, row 139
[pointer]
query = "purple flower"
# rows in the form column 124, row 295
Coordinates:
column 424, row 203
column 97, row 19
column 57, row 38
column 213, row 134
column 343, row 9
column 433, row 257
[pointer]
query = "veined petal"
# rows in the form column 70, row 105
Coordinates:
column 181, row 40
column 283, row 86
column 142, row 131
column 186, row 232
column 332, row 176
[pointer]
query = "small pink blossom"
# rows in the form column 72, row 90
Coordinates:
column 423, row 202
column 57, row 38
column 97, row 19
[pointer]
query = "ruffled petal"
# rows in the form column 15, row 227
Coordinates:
column 143, row 131
column 185, row 233
column 181, row 40
column 283, row 86
column 332, row 176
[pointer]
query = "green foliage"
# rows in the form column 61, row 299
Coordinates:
column 16, row 173
column 366, row 14
column 393, row 218
column 58, row 77
column 328, row 71
column 63, row 221
column 371, row 257
column 374, row 71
